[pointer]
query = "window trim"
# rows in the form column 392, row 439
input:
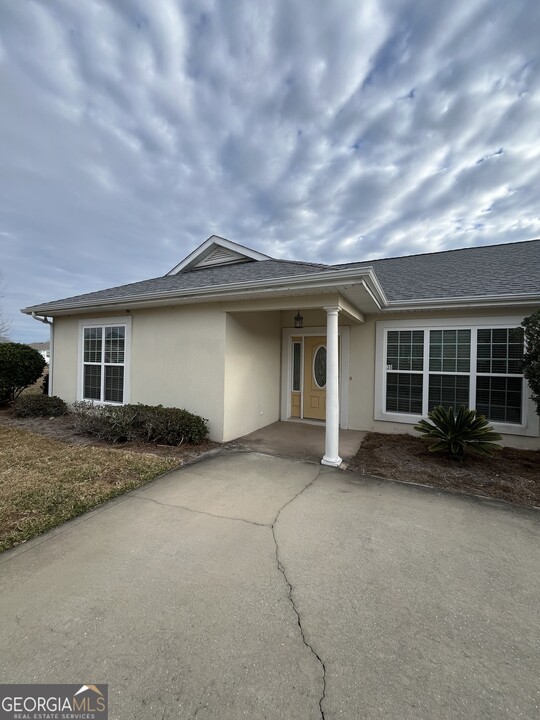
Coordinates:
column 530, row 422
column 125, row 322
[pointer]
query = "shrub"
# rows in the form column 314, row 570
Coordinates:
column 45, row 384
column 458, row 432
column 36, row 405
column 20, row 366
column 531, row 359
column 146, row 423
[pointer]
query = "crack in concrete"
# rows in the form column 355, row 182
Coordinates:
column 201, row 512
column 282, row 570
column 279, row 564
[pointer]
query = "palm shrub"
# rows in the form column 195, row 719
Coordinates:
column 457, row 432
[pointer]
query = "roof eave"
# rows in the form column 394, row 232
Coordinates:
column 474, row 301
column 311, row 281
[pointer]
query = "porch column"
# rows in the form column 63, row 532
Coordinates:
column 331, row 451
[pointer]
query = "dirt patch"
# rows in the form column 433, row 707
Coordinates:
column 512, row 475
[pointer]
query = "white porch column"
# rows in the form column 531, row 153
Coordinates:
column 331, row 451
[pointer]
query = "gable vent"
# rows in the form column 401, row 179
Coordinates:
column 221, row 256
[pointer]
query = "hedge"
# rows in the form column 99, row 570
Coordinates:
column 143, row 423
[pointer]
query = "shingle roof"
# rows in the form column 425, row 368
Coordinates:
column 193, row 279
column 510, row 269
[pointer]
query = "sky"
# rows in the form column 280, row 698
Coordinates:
column 337, row 131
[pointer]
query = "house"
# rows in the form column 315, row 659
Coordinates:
column 245, row 340
column 43, row 349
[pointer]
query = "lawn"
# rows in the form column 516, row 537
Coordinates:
column 44, row 482
column 511, row 475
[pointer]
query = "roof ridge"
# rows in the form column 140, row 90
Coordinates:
column 270, row 259
column 437, row 252
column 300, row 262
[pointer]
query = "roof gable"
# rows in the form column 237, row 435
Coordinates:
column 217, row 251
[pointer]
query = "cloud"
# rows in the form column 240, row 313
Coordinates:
column 335, row 131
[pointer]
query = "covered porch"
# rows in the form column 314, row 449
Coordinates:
column 305, row 323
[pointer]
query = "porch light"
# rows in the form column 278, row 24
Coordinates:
column 298, row 320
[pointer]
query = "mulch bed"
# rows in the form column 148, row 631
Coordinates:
column 511, row 475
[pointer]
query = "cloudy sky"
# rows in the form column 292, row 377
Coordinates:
column 331, row 131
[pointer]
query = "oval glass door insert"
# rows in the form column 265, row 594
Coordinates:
column 319, row 366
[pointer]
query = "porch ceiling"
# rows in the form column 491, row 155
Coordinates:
column 354, row 301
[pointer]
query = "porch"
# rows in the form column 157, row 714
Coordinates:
column 299, row 440
column 287, row 358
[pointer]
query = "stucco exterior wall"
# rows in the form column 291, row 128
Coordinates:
column 64, row 358
column 177, row 359
column 226, row 365
column 252, row 372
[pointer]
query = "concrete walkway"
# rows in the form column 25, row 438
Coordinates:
column 299, row 440
column 259, row 587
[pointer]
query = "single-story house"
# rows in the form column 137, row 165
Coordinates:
column 245, row 340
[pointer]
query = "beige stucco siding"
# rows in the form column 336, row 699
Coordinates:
column 65, row 358
column 252, row 372
column 226, row 365
column 176, row 358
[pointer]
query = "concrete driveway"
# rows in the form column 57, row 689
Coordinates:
column 253, row 586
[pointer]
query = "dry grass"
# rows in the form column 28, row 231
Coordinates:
column 511, row 475
column 44, row 482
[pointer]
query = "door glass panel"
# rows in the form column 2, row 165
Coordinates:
column 297, row 355
column 319, row 367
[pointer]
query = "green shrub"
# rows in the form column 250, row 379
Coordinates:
column 45, row 384
column 36, row 405
column 20, row 366
column 531, row 359
column 146, row 423
column 465, row 430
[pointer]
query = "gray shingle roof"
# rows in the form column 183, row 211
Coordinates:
column 193, row 279
column 510, row 269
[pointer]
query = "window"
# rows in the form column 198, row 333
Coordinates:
column 479, row 367
column 499, row 368
column 404, row 351
column 319, row 367
column 296, row 369
column 449, row 352
column 104, row 350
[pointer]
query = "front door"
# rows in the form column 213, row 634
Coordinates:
column 315, row 377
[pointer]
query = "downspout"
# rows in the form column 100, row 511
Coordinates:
column 51, row 347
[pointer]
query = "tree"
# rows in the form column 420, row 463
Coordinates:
column 20, row 366
column 531, row 358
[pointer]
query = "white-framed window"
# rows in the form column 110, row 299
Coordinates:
column 475, row 363
column 104, row 347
